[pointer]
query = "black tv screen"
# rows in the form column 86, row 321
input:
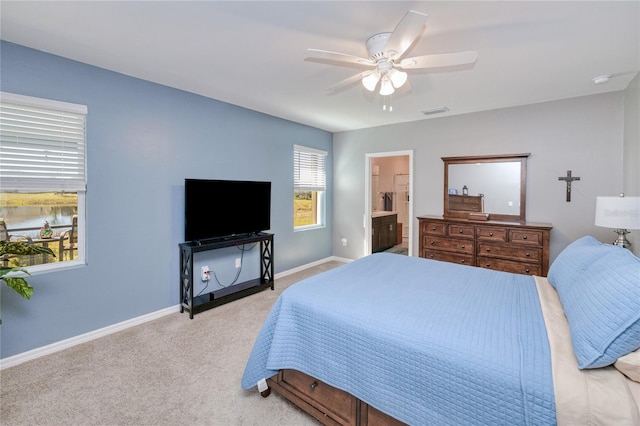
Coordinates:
column 225, row 208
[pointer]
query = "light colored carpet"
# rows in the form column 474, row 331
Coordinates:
column 165, row 372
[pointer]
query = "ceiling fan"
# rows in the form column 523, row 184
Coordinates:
column 386, row 52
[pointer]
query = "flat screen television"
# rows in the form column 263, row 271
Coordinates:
column 225, row 208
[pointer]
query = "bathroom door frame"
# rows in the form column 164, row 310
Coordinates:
column 367, row 196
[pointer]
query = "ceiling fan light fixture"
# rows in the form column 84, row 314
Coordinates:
column 398, row 78
column 386, row 87
column 386, row 53
column 371, row 81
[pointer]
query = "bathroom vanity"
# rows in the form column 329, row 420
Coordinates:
column 384, row 230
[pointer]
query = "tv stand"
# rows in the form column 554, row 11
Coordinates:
column 225, row 238
column 196, row 304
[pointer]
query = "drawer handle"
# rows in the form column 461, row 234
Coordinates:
column 524, row 237
column 462, row 246
column 488, row 265
column 527, row 270
column 462, row 261
column 431, row 256
column 313, row 385
column 390, row 227
column 460, row 231
column 488, row 249
column 528, row 254
column 432, row 242
column 491, row 234
column 433, row 229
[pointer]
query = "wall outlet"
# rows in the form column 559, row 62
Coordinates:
column 344, row 242
column 238, row 262
column 205, row 273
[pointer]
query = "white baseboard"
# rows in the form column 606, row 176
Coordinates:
column 95, row 334
column 309, row 265
column 340, row 259
column 86, row 337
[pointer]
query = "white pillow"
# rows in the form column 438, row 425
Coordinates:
column 629, row 365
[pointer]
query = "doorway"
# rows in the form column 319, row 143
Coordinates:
column 388, row 191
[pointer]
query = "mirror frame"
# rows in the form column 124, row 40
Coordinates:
column 511, row 158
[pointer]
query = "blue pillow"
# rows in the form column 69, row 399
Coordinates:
column 602, row 305
column 574, row 259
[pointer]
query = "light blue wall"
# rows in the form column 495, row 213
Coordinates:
column 143, row 140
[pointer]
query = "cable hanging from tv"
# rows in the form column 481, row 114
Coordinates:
column 235, row 280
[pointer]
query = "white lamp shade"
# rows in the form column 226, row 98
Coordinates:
column 618, row 212
column 371, row 81
column 398, row 78
column 386, row 88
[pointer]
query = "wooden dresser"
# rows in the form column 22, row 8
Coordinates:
column 522, row 248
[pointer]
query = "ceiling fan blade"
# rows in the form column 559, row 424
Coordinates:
column 348, row 81
column 406, row 32
column 340, row 57
column 439, row 60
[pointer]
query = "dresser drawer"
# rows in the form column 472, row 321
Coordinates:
column 434, row 228
column 325, row 398
column 513, row 247
column 486, row 233
column 532, row 254
column 463, row 231
column 448, row 257
column 509, row 266
column 524, row 236
column 448, row 244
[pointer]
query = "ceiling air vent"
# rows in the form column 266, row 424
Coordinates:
column 437, row 110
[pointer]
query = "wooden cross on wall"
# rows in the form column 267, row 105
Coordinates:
column 568, row 179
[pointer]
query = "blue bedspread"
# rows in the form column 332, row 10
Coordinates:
column 426, row 342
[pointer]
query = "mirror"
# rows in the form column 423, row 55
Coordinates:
column 490, row 187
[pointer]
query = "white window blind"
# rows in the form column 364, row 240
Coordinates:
column 309, row 169
column 42, row 144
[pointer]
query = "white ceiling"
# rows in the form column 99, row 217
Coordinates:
column 253, row 53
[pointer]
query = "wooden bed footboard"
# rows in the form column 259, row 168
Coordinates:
column 329, row 405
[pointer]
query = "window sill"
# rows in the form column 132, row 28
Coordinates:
column 307, row 228
column 52, row 267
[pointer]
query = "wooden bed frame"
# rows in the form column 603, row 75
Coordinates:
column 329, row 405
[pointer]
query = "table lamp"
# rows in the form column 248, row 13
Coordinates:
column 621, row 213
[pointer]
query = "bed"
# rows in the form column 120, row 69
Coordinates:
column 394, row 339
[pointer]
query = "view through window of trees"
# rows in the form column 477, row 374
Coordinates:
column 305, row 208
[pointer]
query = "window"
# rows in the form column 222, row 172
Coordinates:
column 42, row 177
column 309, row 186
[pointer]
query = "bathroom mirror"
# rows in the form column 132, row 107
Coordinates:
column 485, row 187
